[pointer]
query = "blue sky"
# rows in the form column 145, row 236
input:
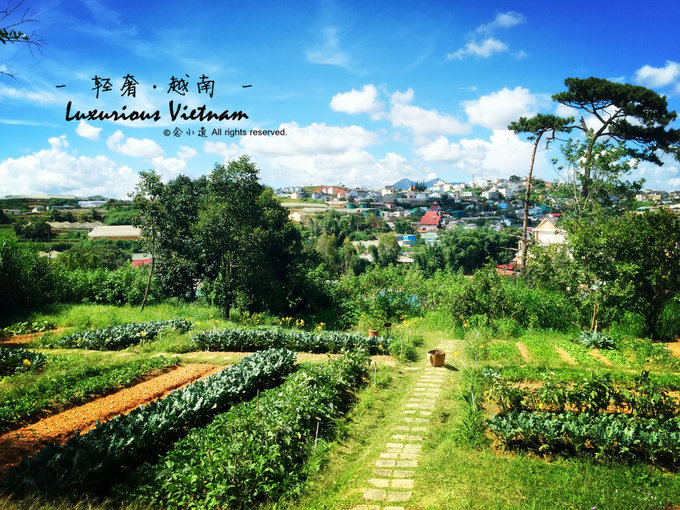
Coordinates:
column 367, row 92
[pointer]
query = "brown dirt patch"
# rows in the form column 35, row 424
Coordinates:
column 599, row 357
column 564, row 355
column 523, row 351
column 674, row 348
column 59, row 428
column 26, row 338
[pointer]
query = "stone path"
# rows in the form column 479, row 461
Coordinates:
column 395, row 469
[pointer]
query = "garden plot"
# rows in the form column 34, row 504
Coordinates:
column 59, row 428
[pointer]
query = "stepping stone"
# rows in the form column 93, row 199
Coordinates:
column 383, row 472
column 412, row 368
column 385, row 463
column 408, row 419
column 407, row 463
column 401, row 427
column 409, row 456
column 388, row 455
column 409, row 411
column 394, row 497
column 375, row 495
column 368, row 507
column 382, row 482
column 399, row 473
column 421, row 420
column 425, row 413
column 413, row 405
column 412, row 448
column 393, row 508
column 418, row 429
column 402, row 484
column 396, row 445
column 425, row 406
column 415, row 438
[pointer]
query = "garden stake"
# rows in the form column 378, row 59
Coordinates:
column 472, row 394
column 316, row 437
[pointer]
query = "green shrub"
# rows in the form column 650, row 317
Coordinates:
column 17, row 360
column 595, row 340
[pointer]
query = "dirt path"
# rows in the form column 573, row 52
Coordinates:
column 523, row 351
column 59, row 428
column 26, row 338
column 599, row 357
column 564, row 355
column 674, row 348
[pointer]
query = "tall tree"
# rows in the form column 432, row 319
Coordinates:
column 633, row 116
column 147, row 198
column 539, row 126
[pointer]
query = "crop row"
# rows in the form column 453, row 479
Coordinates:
column 119, row 337
column 58, row 390
column 603, row 435
column 256, row 451
column 253, row 339
column 17, row 360
column 590, row 393
column 93, row 461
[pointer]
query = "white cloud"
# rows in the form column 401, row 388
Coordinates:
column 31, row 96
column 144, row 148
column 186, row 153
column 309, row 140
column 88, row 131
column 484, row 49
column 328, row 52
column 357, row 101
column 55, row 171
column 502, row 20
column 502, row 155
column 498, row 109
column 228, row 152
column 422, row 122
column 657, row 76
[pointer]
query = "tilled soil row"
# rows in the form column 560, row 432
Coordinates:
column 59, row 428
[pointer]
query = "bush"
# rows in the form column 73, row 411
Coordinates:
column 595, row 340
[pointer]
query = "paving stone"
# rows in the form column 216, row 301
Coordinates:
column 402, row 484
column 418, row 429
column 376, row 495
column 425, row 413
column 402, row 427
column 415, row 438
column 401, row 473
column 382, row 482
column 407, row 463
column 408, row 411
column 409, row 456
column 395, row 497
column 414, row 404
column 425, row 406
column 412, row 448
column 407, row 419
column 393, row 508
column 421, row 420
column 389, row 455
column 396, row 445
column 368, row 507
column 383, row 472
column 385, row 463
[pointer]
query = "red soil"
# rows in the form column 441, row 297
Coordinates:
column 59, row 428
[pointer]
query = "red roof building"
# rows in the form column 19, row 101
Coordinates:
column 431, row 220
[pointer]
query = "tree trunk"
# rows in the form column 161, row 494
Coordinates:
column 525, row 222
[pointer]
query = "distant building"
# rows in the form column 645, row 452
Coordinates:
column 116, row 232
column 430, row 221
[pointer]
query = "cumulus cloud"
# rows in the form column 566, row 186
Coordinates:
column 481, row 42
column 657, row 76
column 358, row 101
column 88, row 131
column 55, row 171
column 144, row 148
column 498, row 109
column 483, row 49
column 228, row 152
column 422, row 122
column 502, row 155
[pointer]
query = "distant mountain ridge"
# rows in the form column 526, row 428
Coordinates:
column 405, row 184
